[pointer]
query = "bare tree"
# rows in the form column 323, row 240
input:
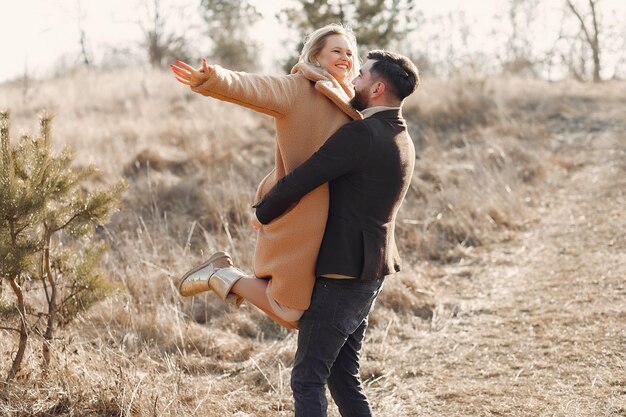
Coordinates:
column 160, row 44
column 227, row 23
column 518, row 55
column 154, row 35
column 82, row 36
column 591, row 33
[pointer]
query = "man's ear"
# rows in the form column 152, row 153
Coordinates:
column 378, row 89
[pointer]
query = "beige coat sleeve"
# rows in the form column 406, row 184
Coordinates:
column 269, row 94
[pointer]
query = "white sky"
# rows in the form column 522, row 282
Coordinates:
column 35, row 33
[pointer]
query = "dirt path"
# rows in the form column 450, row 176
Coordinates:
column 537, row 325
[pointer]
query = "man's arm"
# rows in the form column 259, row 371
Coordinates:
column 345, row 150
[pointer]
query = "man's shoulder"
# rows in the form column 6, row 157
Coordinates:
column 361, row 125
column 364, row 124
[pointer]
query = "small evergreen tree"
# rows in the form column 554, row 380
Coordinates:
column 47, row 224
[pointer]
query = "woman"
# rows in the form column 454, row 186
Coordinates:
column 308, row 106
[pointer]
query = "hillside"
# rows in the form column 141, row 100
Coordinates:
column 512, row 235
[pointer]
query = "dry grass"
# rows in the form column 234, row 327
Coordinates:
column 458, row 332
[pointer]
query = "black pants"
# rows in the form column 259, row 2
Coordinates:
column 329, row 344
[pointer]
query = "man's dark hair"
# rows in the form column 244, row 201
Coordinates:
column 400, row 73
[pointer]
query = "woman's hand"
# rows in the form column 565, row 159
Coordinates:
column 190, row 76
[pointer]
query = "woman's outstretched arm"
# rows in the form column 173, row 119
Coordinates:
column 272, row 95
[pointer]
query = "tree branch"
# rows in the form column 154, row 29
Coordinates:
column 9, row 329
column 71, row 219
column 581, row 20
column 594, row 18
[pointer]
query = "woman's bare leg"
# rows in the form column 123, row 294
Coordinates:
column 254, row 291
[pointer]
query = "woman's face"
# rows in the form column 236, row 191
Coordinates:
column 336, row 57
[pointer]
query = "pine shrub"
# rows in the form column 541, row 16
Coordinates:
column 49, row 253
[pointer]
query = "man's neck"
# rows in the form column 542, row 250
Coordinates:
column 380, row 101
column 375, row 109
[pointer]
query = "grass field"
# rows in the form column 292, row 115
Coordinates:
column 510, row 303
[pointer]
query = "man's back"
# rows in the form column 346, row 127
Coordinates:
column 368, row 164
column 359, row 240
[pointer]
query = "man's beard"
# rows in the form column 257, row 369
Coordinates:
column 359, row 101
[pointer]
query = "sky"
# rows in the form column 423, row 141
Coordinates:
column 35, row 35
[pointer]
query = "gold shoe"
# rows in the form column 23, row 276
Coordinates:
column 217, row 274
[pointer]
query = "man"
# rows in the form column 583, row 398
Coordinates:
column 368, row 165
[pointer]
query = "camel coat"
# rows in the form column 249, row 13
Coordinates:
column 308, row 106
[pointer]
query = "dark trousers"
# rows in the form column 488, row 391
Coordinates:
column 329, row 344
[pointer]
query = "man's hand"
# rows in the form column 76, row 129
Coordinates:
column 190, row 76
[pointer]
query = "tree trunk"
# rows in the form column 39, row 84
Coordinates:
column 52, row 303
column 21, row 348
column 595, row 44
column 52, row 308
column 21, row 309
column 592, row 38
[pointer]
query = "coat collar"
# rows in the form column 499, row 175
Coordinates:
column 392, row 113
column 368, row 112
column 339, row 93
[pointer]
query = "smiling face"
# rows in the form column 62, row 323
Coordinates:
column 336, row 57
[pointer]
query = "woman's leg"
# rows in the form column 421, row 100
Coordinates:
column 254, row 290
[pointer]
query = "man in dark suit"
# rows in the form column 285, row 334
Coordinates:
column 368, row 165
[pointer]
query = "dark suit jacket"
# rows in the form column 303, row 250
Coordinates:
column 368, row 165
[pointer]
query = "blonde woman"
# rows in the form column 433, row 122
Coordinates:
column 308, row 105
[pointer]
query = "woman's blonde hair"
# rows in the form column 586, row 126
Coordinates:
column 316, row 41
